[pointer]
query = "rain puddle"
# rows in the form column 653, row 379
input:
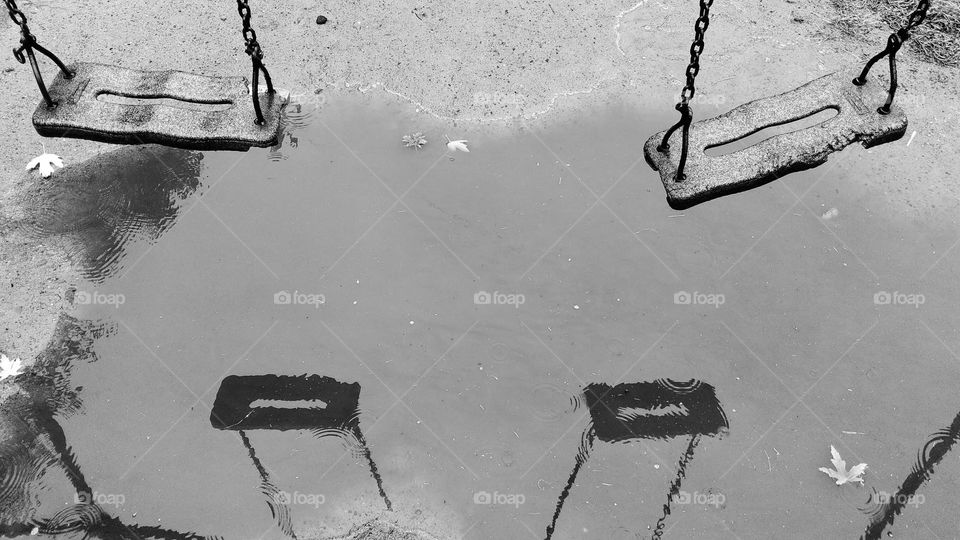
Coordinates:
column 342, row 337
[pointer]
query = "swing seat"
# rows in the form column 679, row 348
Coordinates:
column 126, row 106
column 654, row 410
column 234, row 407
column 708, row 177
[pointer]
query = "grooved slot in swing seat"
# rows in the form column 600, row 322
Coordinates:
column 770, row 131
column 126, row 106
column 165, row 101
column 709, row 176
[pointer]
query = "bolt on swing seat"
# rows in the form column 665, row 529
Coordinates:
column 126, row 106
column 690, row 175
column 708, row 177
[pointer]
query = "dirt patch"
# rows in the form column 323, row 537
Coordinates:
column 937, row 40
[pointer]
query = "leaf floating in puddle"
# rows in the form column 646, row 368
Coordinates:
column 841, row 474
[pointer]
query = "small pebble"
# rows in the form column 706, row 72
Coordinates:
column 321, row 19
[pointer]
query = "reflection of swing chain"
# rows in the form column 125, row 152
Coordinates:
column 675, row 485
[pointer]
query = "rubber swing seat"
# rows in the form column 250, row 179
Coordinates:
column 709, row 177
column 183, row 110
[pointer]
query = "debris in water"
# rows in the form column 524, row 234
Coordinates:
column 414, row 140
column 831, row 213
column 9, row 368
column 461, row 145
column 841, row 474
column 912, row 135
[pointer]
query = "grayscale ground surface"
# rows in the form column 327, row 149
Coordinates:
column 787, row 317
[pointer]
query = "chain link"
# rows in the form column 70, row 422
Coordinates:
column 918, row 15
column 256, row 55
column 249, row 34
column 894, row 42
column 686, row 94
column 700, row 31
column 26, row 37
column 15, row 14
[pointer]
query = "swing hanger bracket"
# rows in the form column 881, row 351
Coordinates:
column 894, row 42
column 28, row 43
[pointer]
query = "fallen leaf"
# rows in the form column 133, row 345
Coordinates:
column 841, row 474
column 9, row 368
column 46, row 162
column 461, row 145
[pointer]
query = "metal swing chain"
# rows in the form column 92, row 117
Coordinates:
column 894, row 42
column 28, row 42
column 256, row 56
column 686, row 95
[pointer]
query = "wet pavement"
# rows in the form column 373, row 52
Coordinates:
column 342, row 337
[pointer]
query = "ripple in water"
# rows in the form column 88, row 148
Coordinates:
column 347, row 440
column 552, row 402
column 16, row 471
column 103, row 204
column 298, row 115
column 77, row 517
column 931, row 454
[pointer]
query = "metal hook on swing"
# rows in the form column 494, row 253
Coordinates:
column 256, row 56
column 894, row 42
column 27, row 44
column 686, row 117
